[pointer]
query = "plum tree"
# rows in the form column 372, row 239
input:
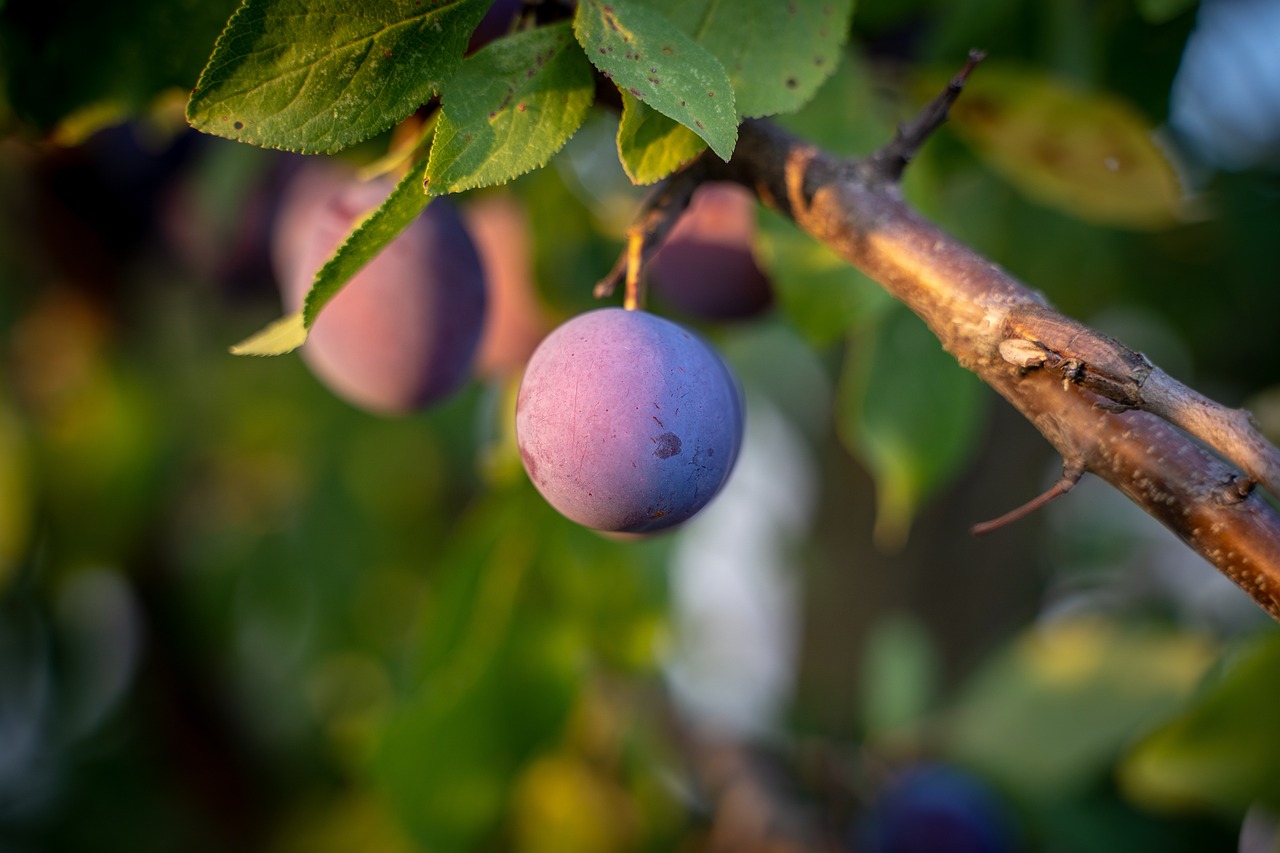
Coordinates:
column 404, row 332
column 627, row 422
column 707, row 268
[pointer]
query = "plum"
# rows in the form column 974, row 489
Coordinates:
column 627, row 422
column 402, row 334
column 706, row 267
column 935, row 808
column 517, row 322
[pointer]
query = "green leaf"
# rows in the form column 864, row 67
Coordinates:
column 653, row 60
column 320, row 76
column 509, row 108
column 1222, row 752
column 776, row 53
column 378, row 229
column 1088, row 154
column 281, row 336
column 822, row 296
column 652, row 146
column 910, row 414
column 382, row 226
column 1049, row 715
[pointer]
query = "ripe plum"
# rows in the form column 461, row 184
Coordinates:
column 706, row 267
column 627, row 422
column 402, row 334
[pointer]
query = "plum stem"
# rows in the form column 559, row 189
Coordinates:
column 633, row 292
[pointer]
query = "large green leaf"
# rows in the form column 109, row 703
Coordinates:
column 1089, row 154
column 509, row 108
column 655, row 61
column 910, row 414
column 1222, row 752
column 776, row 53
column 1049, row 715
column 382, row 226
column 320, row 76
column 652, row 146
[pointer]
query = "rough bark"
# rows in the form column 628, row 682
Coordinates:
column 1102, row 406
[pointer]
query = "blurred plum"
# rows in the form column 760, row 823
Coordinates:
column 706, row 268
column 402, row 334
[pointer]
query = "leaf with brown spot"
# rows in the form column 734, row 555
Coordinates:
column 1089, row 154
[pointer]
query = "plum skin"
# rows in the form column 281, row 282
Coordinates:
column 403, row 333
column 627, row 422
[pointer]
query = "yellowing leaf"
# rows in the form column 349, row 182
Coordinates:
column 1089, row 154
column 284, row 335
column 652, row 146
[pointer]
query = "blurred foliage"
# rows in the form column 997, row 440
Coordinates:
column 236, row 613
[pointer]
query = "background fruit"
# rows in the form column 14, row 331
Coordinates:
column 627, row 422
column 516, row 321
column 706, row 267
column 403, row 332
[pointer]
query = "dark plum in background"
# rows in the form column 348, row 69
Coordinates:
column 935, row 808
column 403, row 333
column 516, row 321
column 627, row 422
column 706, row 267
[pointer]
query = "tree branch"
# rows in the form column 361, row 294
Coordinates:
column 1102, row 406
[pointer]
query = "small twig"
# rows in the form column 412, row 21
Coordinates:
column 658, row 215
column 890, row 161
column 1071, row 474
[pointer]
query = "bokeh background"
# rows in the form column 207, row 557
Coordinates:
column 238, row 614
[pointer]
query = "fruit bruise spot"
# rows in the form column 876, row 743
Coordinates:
column 668, row 445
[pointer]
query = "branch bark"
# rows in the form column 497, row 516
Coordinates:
column 1102, row 406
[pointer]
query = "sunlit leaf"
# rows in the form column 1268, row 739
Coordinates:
column 378, row 229
column 509, row 108
column 279, row 337
column 1089, row 154
column 368, row 238
column 652, row 146
column 320, row 76
column 1223, row 751
column 652, row 59
column 776, row 53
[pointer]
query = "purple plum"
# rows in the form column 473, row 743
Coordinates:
column 706, row 267
column 627, row 422
column 402, row 334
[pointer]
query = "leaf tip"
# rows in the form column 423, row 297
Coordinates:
column 280, row 337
